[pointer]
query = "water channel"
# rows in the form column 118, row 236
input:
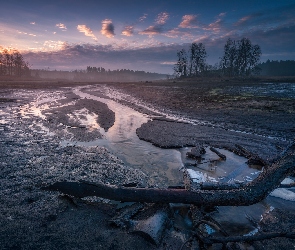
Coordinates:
column 164, row 166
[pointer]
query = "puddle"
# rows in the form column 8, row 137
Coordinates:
column 162, row 165
column 234, row 169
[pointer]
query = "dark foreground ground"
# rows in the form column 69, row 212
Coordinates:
column 32, row 218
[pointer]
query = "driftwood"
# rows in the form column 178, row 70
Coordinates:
column 222, row 156
column 249, row 194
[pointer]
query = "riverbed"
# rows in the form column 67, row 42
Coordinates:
column 48, row 136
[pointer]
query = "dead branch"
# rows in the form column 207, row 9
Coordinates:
column 222, row 156
column 248, row 194
column 211, row 240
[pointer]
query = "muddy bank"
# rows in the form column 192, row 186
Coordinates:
column 72, row 114
column 263, row 108
column 168, row 134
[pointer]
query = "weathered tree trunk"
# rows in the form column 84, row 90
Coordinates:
column 249, row 194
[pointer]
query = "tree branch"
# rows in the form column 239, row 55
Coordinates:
column 249, row 194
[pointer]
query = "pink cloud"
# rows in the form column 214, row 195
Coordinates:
column 128, row 31
column 61, row 26
column 162, row 18
column 174, row 33
column 189, row 21
column 86, row 30
column 243, row 20
column 215, row 26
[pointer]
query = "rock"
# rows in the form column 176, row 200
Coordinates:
column 153, row 228
column 196, row 152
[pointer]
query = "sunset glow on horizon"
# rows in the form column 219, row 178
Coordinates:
column 141, row 35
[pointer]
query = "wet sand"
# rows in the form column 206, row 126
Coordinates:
column 32, row 156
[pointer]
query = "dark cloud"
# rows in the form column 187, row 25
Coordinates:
column 80, row 56
column 152, row 30
column 107, row 28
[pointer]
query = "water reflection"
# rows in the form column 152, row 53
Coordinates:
column 162, row 165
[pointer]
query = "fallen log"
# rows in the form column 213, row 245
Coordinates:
column 248, row 194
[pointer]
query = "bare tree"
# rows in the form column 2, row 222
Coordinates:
column 240, row 58
column 198, row 56
column 180, row 69
column 229, row 58
column 13, row 63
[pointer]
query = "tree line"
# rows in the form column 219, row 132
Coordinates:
column 240, row 58
column 90, row 70
column 278, row 68
column 12, row 63
column 98, row 74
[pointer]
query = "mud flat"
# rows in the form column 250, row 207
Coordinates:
column 51, row 134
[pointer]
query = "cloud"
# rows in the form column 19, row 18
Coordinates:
column 61, row 26
column 33, row 23
column 128, row 31
column 142, row 18
column 244, row 20
column 189, row 21
column 168, row 63
column 152, row 30
column 215, row 26
column 158, row 27
column 25, row 33
column 53, row 45
column 176, row 32
column 162, row 18
column 107, row 28
column 86, row 30
column 77, row 56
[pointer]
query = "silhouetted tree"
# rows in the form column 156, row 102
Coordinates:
column 197, row 56
column 240, row 58
column 180, row 69
column 229, row 58
column 12, row 63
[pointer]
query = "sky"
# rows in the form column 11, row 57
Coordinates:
column 141, row 35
